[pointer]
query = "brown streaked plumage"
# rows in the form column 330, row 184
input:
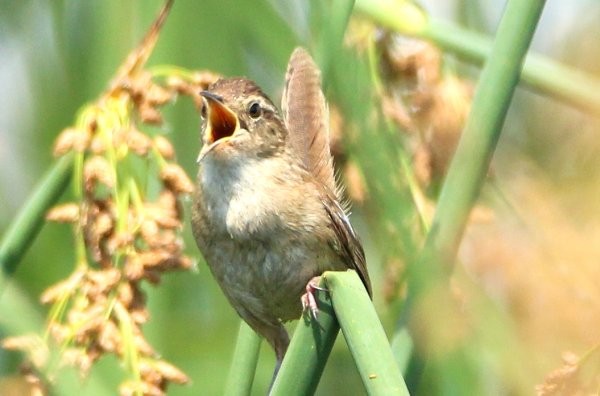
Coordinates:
column 307, row 117
column 266, row 212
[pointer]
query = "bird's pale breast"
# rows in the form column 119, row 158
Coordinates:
column 268, row 234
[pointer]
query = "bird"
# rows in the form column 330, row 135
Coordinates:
column 267, row 213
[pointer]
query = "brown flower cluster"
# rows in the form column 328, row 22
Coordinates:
column 126, row 226
column 127, row 237
column 193, row 85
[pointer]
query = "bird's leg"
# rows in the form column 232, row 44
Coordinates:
column 308, row 299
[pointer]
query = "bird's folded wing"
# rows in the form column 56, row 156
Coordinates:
column 346, row 243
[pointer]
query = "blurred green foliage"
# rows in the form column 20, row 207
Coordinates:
column 63, row 54
column 55, row 56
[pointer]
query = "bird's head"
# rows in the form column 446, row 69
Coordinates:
column 240, row 120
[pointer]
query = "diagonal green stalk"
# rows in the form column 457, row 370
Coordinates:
column 243, row 366
column 565, row 83
column 364, row 334
column 28, row 222
column 474, row 152
column 308, row 351
column 473, row 155
column 572, row 86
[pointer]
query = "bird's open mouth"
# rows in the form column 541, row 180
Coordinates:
column 222, row 122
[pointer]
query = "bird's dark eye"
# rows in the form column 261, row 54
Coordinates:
column 254, row 110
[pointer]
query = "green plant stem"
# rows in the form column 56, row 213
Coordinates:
column 243, row 366
column 308, row 351
column 28, row 222
column 364, row 334
column 570, row 85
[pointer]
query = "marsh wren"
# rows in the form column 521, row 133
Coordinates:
column 266, row 212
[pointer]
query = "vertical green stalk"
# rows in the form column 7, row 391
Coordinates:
column 28, row 222
column 476, row 147
column 402, row 347
column 334, row 16
column 243, row 365
column 308, row 352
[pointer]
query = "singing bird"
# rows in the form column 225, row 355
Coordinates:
column 266, row 211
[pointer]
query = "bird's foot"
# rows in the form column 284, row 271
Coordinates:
column 309, row 302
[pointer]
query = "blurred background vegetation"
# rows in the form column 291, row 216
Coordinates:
column 527, row 283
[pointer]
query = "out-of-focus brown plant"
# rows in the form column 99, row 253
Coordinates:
column 577, row 376
column 126, row 227
column 429, row 107
column 424, row 101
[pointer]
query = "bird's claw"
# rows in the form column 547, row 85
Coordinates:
column 309, row 302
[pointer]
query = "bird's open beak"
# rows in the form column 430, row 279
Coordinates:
column 221, row 123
